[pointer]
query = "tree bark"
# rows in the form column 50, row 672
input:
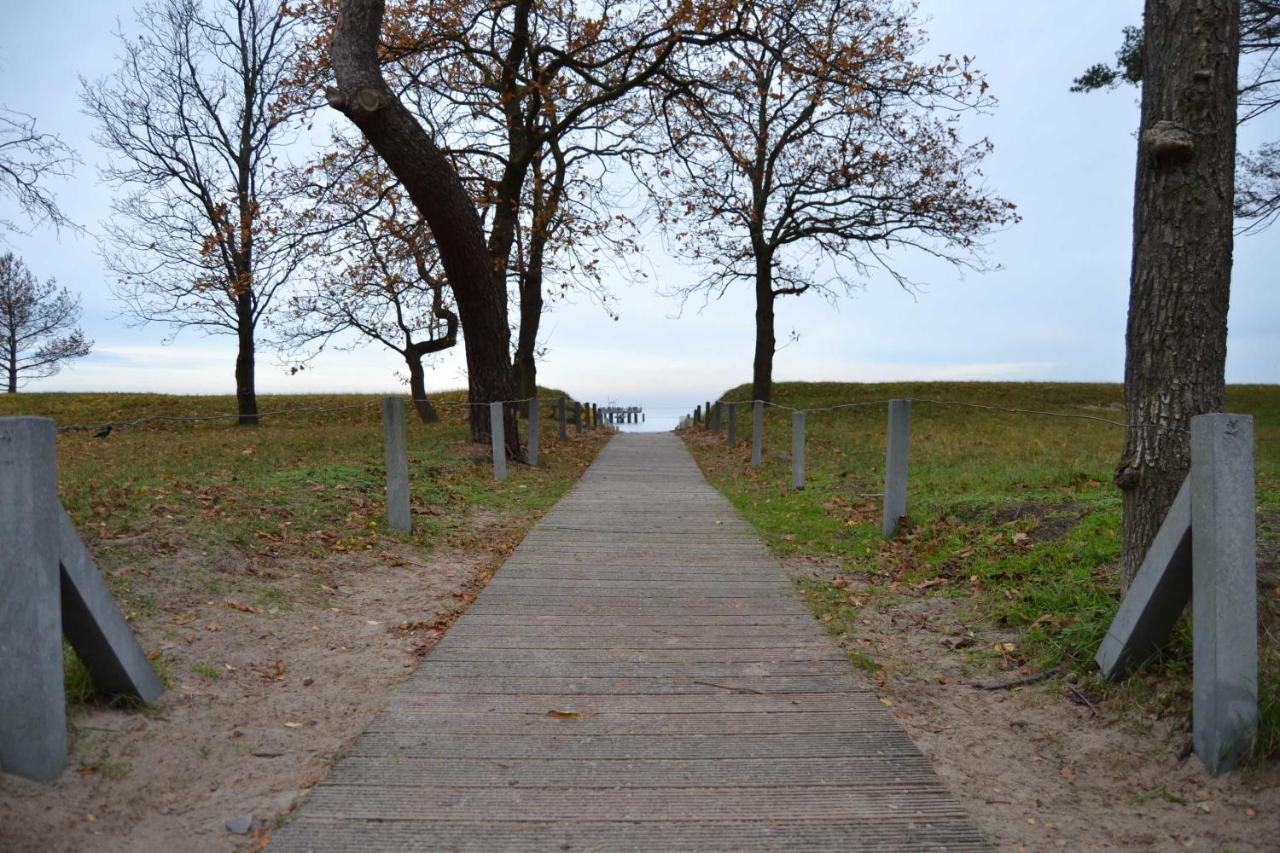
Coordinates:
column 766, row 342
column 1176, row 342
column 246, row 393
column 418, row 389
column 13, row 362
column 526, row 365
column 430, row 180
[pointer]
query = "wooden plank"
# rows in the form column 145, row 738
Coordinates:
column 538, row 720
column 426, row 744
column 312, row 833
column 655, row 773
column 639, row 675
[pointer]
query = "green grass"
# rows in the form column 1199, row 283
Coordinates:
column 1016, row 513
column 218, row 507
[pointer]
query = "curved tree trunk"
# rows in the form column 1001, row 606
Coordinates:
column 246, row 394
column 418, row 388
column 766, row 342
column 426, row 174
column 1176, row 343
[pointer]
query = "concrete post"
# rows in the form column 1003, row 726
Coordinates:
column 715, row 417
column 895, row 466
column 96, row 628
column 797, row 450
column 757, row 434
column 1224, row 589
column 697, row 415
column 577, row 417
column 1156, row 597
column 395, row 453
column 564, row 429
column 733, row 424
column 497, row 432
column 535, row 430
column 33, row 721
column 595, row 416
column 706, row 421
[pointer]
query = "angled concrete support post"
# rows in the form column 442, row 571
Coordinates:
column 560, row 419
column 797, row 450
column 497, row 433
column 757, row 434
column 395, row 453
column 732, row 415
column 1224, row 589
column 96, row 628
column 1156, row 598
column 535, row 430
column 895, row 466
column 33, row 722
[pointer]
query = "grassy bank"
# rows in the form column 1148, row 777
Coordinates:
column 1016, row 514
column 235, row 508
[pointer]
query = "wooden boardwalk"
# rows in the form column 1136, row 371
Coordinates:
column 639, row 675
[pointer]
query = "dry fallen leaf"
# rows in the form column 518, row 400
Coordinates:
column 568, row 715
column 292, row 725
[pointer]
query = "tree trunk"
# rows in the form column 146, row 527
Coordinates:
column 1176, row 343
column 13, row 363
column 418, row 389
column 762, row 370
column 426, row 174
column 246, row 395
column 530, row 318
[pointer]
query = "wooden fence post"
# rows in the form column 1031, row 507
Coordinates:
column 1224, row 589
column 797, row 450
column 535, row 430
column 395, row 453
column 895, row 466
column 497, row 433
column 733, row 424
column 757, row 434
column 577, row 417
column 33, row 707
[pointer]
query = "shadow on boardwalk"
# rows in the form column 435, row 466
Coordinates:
column 639, row 676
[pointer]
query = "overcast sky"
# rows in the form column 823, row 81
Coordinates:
column 1054, row 311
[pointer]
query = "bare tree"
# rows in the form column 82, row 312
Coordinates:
column 28, row 158
column 192, row 119
column 796, row 156
column 512, row 92
column 431, row 181
column 38, row 331
column 1176, row 341
column 375, row 272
